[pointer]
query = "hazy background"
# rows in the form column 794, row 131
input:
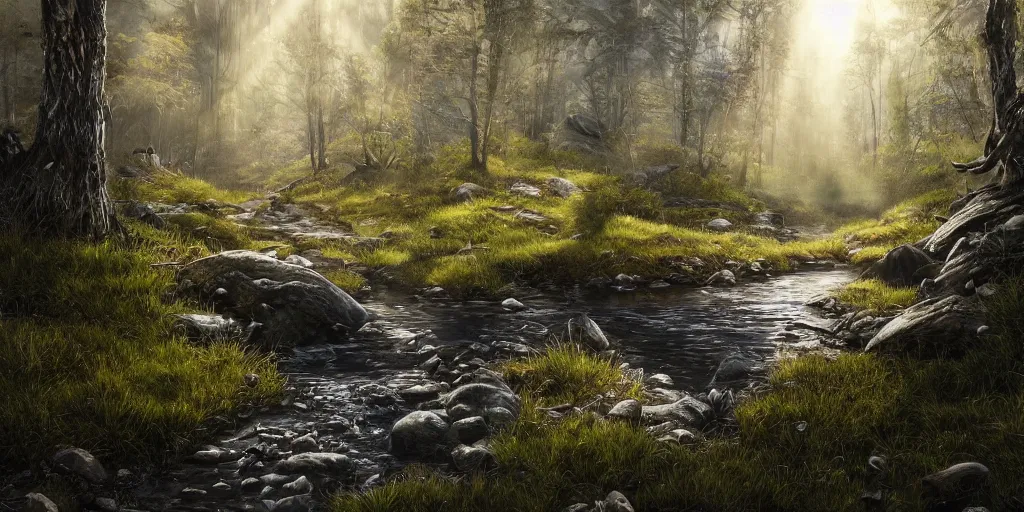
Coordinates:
column 840, row 102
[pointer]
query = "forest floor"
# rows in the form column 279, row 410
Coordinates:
column 89, row 358
column 407, row 229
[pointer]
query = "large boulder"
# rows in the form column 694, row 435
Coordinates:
column 294, row 305
column 900, row 266
column 737, row 367
column 418, row 433
column 938, row 323
column 585, row 126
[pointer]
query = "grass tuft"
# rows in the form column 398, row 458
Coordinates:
column 876, row 296
column 567, row 374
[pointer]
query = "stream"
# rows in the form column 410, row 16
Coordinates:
column 681, row 332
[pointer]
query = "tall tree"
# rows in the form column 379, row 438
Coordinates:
column 59, row 185
column 1005, row 143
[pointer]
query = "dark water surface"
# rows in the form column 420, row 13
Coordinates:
column 684, row 333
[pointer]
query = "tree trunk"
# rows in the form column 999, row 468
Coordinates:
column 6, row 63
column 1001, row 38
column 322, row 135
column 58, row 187
column 1005, row 143
column 311, row 137
column 494, row 61
column 474, row 110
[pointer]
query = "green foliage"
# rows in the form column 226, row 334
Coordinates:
column 87, row 356
column 876, row 296
column 922, row 415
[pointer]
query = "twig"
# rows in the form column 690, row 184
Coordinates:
column 167, row 264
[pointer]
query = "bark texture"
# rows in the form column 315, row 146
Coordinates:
column 58, row 187
column 1005, row 144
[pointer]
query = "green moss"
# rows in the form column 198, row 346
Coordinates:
column 876, row 296
column 869, row 255
column 923, row 415
column 87, row 357
column 348, row 281
column 905, row 223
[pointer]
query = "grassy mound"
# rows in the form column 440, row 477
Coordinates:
column 876, row 296
column 905, row 223
column 87, row 356
column 922, row 415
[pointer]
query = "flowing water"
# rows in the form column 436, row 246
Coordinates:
column 684, row 333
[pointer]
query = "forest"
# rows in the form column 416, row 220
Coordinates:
column 523, row 255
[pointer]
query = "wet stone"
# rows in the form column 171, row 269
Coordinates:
column 251, row 484
column 300, row 486
column 469, row 430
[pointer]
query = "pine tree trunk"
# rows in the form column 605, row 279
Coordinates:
column 474, row 110
column 58, row 187
column 311, row 137
column 322, row 136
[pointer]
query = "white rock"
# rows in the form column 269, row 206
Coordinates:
column 720, row 225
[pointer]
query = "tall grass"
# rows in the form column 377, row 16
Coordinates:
column 87, row 356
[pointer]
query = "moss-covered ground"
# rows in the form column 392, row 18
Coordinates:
column 613, row 228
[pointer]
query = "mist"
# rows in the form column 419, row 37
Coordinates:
column 833, row 102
